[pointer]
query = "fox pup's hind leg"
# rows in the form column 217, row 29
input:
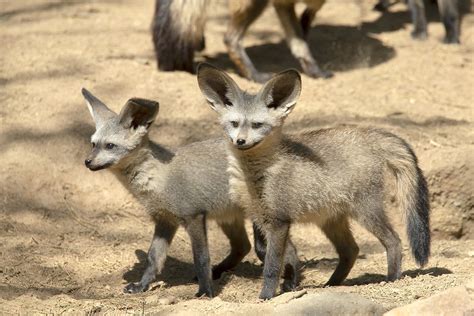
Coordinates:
column 374, row 219
column 239, row 243
column 290, row 274
column 259, row 243
column 418, row 16
column 243, row 13
column 449, row 12
column 295, row 39
column 164, row 233
column 196, row 228
column 339, row 233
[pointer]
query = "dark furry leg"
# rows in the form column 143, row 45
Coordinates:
column 196, row 228
column 290, row 271
column 449, row 12
column 164, row 233
column 243, row 14
column 418, row 17
column 291, row 262
column 306, row 19
column 239, row 243
column 376, row 222
column 382, row 5
column 259, row 242
column 277, row 235
column 339, row 233
column 295, row 39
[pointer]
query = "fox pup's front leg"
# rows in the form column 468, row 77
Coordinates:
column 277, row 237
column 290, row 275
column 418, row 16
column 164, row 233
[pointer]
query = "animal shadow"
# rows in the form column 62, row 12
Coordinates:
column 177, row 272
column 335, row 47
column 372, row 278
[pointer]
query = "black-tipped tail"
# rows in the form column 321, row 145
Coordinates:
column 419, row 221
column 177, row 31
column 412, row 194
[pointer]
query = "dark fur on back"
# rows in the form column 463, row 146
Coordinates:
column 173, row 50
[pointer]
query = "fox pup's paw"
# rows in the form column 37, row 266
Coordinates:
column 451, row 39
column 419, row 35
column 207, row 293
column 267, row 293
column 133, row 288
column 289, row 285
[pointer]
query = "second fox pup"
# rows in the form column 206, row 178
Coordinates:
column 184, row 187
column 324, row 176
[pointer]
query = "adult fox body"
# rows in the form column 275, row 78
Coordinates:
column 178, row 31
column 326, row 176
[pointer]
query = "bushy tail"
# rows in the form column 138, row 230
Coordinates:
column 178, row 30
column 412, row 195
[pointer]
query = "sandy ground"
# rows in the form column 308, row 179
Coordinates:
column 71, row 239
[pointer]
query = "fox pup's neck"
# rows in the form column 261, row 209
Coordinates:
column 262, row 155
column 247, row 168
column 146, row 169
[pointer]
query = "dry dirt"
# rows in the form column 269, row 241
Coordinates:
column 71, row 239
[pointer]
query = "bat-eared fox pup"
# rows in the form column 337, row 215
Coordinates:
column 324, row 176
column 184, row 187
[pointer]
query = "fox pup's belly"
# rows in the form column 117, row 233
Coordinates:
column 226, row 215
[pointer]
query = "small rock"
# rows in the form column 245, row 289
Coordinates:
column 150, row 300
column 107, row 287
column 288, row 296
column 455, row 301
column 383, row 283
column 330, row 304
column 470, row 286
column 167, row 300
column 470, row 253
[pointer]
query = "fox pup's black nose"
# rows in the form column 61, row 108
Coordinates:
column 88, row 162
column 240, row 141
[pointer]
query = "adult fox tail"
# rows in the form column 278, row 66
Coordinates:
column 178, row 31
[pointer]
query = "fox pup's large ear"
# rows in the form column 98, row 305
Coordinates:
column 99, row 111
column 282, row 92
column 218, row 88
column 138, row 112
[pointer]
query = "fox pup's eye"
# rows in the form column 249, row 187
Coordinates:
column 93, row 144
column 110, row 146
column 256, row 125
column 234, row 123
